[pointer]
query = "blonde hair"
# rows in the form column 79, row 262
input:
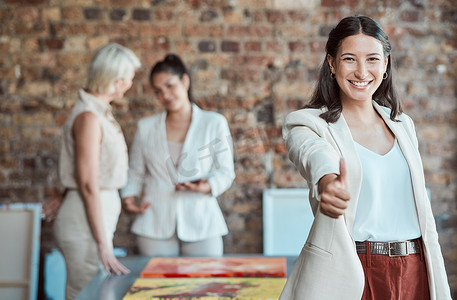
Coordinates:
column 109, row 63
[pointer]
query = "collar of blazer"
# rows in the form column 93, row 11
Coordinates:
column 187, row 146
column 343, row 138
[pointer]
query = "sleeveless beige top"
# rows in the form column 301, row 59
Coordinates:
column 113, row 165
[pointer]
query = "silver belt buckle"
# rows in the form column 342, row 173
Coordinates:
column 400, row 248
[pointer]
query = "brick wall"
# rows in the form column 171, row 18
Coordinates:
column 253, row 61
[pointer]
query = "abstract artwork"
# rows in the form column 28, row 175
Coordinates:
column 206, row 288
column 215, row 267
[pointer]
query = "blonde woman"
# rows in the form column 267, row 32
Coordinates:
column 93, row 167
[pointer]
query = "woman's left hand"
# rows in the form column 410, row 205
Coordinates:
column 199, row 186
column 110, row 263
column 51, row 207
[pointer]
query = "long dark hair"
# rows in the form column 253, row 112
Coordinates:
column 327, row 91
column 172, row 64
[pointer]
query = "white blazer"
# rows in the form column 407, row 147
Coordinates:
column 328, row 266
column 207, row 153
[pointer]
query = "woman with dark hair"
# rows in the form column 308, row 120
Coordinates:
column 180, row 161
column 374, row 234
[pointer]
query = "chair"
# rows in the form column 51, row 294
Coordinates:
column 287, row 219
column 20, row 227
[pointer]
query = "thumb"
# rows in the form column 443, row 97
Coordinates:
column 343, row 174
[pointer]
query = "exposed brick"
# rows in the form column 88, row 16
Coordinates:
column 54, row 43
column 258, row 60
column 298, row 16
column 254, row 178
column 72, row 13
column 123, row 2
column 25, row 2
column 73, row 29
column 280, row 148
column 203, row 30
column 233, row 16
column 92, row 13
column 117, row 14
column 254, row 16
column 410, row 15
column 208, row 15
column 122, row 29
column 161, row 44
column 141, row 14
column 297, row 46
column 159, row 30
column 33, row 119
column 275, row 16
column 183, row 46
column 289, row 179
column 325, row 30
column 93, row 43
column 242, row 75
column 265, row 114
column 8, row 73
column 253, row 46
column 206, row 46
column 30, row 133
column 195, row 3
column 52, row 14
column 5, row 147
column 230, row 46
column 163, row 15
column 337, row 3
column 6, row 133
column 277, row 47
column 317, row 47
column 250, row 31
column 450, row 16
column 293, row 31
column 28, row 14
column 36, row 59
column 37, row 29
column 72, row 59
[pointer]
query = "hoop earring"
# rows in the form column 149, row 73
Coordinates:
column 385, row 75
column 332, row 76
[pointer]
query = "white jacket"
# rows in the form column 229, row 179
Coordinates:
column 207, row 153
column 328, row 266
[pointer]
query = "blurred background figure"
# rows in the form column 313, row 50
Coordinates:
column 93, row 167
column 180, row 161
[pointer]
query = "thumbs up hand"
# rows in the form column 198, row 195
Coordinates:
column 334, row 193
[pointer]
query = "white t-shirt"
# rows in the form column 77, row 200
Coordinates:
column 386, row 210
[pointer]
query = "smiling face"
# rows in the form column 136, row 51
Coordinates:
column 359, row 66
column 171, row 91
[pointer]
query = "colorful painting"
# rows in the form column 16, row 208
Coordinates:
column 215, row 267
column 206, row 288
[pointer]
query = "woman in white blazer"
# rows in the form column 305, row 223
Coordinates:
column 180, row 161
column 374, row 234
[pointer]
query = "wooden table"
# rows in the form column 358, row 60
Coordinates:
column 115, row 287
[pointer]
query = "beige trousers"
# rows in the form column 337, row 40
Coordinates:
column 75, row 241
column 175, row 247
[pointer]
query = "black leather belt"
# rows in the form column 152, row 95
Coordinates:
column 398, row 248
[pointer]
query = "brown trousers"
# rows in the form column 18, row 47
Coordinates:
column 395, row 278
